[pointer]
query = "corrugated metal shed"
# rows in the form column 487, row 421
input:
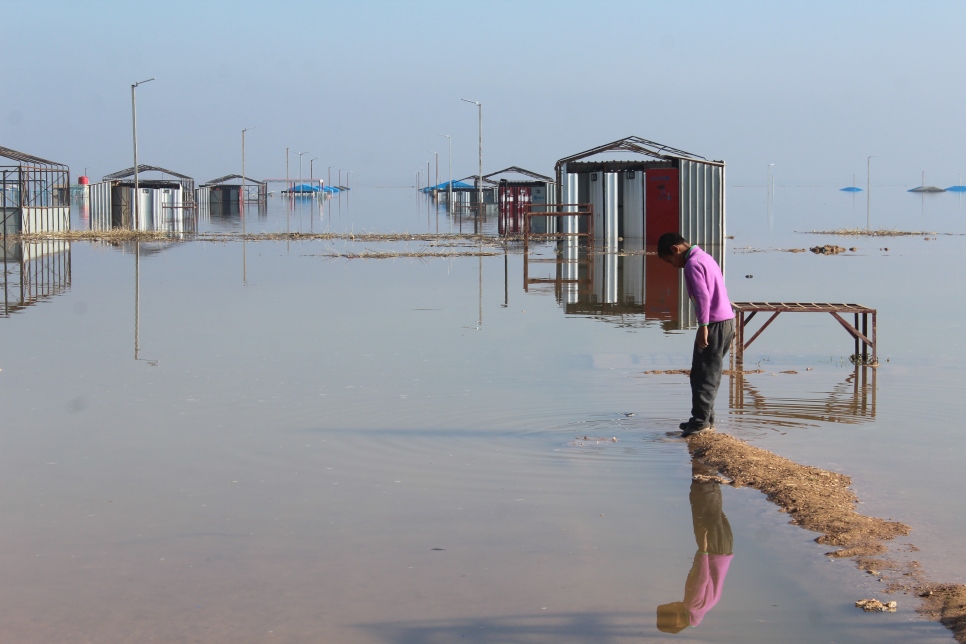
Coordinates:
column 699, row 192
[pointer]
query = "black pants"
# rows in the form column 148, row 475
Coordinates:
column 706, row 366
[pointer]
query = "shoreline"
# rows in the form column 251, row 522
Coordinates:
column 821, row 501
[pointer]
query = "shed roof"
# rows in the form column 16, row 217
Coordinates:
column 229, row 177
column 23, row 157
column 518, row 170
column 129, row 172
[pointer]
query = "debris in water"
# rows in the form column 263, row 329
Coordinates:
column 749, row 276
column 875, row 606
column 827, row 249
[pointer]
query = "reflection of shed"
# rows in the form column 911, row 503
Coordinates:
column 225, row 194
column 516, row 195
column 36, row 193
column 33, row 271
column 672, row 191
column 631, row 288
column 161, row 202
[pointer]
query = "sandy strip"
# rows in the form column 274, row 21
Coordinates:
column 821, row 501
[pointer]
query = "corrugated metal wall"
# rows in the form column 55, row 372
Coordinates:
column 100, row 205
column 702, row 202
column 45, row 219
column 633, row 205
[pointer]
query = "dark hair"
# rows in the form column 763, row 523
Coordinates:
column 666, row 241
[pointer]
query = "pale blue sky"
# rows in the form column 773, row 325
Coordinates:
column 814, row 87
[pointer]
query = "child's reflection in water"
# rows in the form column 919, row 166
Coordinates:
column 705, row 581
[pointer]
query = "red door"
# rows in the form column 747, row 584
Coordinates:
column 661, row 211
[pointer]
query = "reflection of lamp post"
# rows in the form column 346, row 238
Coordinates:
column 449, row 189
column 243, row 165
column 479, row 107
column 134, row 121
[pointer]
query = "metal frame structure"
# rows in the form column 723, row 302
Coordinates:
column 529, row 213
column 34, row 271
column 861, row 313
column 35, row 194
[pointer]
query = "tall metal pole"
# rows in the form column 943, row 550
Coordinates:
column 479, row 177
column 300, row 169
column 134, row 122
column 243, row 200
column 436, row 189
column 868, row 193
column 311, row 170
column 330, row 177
column 287, row 187
column 449, row 189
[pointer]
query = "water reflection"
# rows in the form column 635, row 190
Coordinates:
column 629, row 287
column 33, row 271
column 851, row 401
column 704, row 584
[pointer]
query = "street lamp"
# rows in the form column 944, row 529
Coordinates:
column 449, row 189
column 243, row 200
column 347, row 173
column 311, row 170
column 300, row 167
column 868, row 193
column 479, row 107
column 134, row 120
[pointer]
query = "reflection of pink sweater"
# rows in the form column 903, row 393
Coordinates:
column 705, row 582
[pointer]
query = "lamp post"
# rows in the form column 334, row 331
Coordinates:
column 449, row 188
column 868, row 193
column 134, row 121
column 300, row 169
column 347, row 173
column 243, row 200
column 329, row 181
column 311, row 169
column 479, row 184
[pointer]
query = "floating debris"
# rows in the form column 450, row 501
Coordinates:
column 827, row 249
column 875, row 606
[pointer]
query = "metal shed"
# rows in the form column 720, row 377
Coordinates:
column 516, row 195
column 224, row 195
column 162, row 203
column 36, row 193
column 671, row 191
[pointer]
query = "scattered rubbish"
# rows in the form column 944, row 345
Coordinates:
column 853, row 249
column 629, row 414
column 735, row 372
column 827, row 249
column 749, row 276
column 796, row 250
column 789, row 371
column 875, row 606
column 683, row 372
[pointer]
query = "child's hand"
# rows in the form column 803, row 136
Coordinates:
column 702, row 339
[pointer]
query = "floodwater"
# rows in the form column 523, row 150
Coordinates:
column 224, row 442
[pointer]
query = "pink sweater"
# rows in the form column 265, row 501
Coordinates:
column 706, row 287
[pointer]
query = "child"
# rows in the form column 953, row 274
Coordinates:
column 716, row 325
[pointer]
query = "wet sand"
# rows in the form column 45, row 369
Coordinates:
column 821, row 501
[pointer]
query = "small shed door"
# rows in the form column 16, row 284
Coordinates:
column 662, row 203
